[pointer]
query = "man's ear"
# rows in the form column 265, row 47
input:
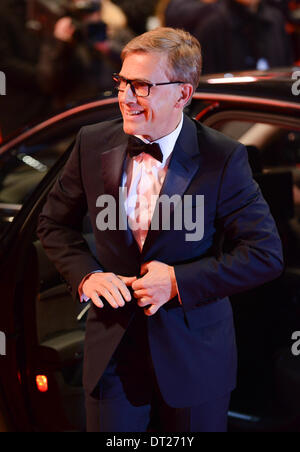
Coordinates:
column 187, row 91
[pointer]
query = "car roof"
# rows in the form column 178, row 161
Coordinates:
column 273, row 84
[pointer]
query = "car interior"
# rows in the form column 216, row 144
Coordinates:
column 269, row 378
column 269, row 374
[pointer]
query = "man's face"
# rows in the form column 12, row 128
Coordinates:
column 158, row 114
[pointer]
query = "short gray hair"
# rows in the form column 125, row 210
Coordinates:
column 183, row 52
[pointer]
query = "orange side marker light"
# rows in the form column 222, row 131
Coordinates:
column 42, row 383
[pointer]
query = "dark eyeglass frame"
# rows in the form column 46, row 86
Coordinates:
column 118, row 79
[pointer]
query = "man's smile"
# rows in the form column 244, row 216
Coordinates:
column 132, row 113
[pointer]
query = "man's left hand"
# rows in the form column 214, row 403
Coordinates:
column 156, row 286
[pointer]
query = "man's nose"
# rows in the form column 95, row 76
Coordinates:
column 129, row 95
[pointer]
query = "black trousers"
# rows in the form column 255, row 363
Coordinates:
column 128, row 398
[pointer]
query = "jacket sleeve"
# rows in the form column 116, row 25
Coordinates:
column 60, row 225
column 249, row 252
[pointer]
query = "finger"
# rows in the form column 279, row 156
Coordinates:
column 114, row 291
column 140, row 283
column 96, row 300
column 109, row 298
column 151, row 310
column 145, row 268
column 127, row 280
column 122, row 288
column 109, row 290
column 141, row 293
column 144, row 302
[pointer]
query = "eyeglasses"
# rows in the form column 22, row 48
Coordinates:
column 138, row 87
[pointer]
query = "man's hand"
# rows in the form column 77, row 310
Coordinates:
column 156, row 287
column 110, row 286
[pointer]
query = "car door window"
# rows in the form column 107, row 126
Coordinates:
column 22, row 169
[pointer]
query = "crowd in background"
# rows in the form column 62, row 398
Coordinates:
column 56, row 53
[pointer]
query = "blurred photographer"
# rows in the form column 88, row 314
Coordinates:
column 78, row 60
column 25, row 99
column 84, row 22
column 243, row 35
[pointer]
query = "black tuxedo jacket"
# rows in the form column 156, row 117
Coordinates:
column 192, row 344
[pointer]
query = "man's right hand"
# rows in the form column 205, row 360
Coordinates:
column 110, row 286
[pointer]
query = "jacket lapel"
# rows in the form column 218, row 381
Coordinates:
column 112, row 168
column 183, row 166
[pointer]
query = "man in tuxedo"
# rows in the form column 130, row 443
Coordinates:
column 160, row 340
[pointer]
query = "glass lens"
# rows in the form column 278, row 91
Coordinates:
column 141, row 88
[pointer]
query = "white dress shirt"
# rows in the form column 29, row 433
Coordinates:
column 142, row 181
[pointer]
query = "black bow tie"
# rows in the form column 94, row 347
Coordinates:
column 137, row 146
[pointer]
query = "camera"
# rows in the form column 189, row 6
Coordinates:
column 83, row 8
column 45, row 14
column 93, row 31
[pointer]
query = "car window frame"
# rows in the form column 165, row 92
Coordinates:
column 276, row 119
